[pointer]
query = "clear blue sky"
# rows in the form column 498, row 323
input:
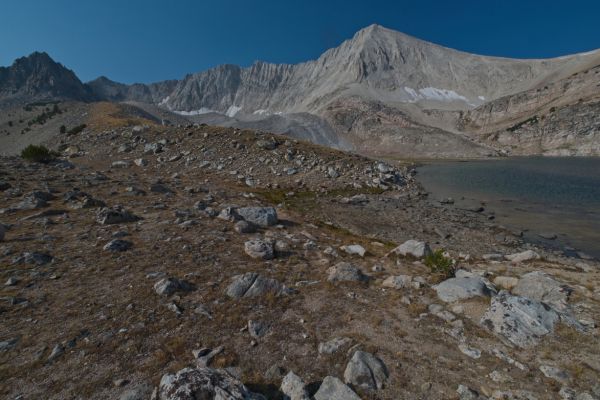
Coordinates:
column 151, row 40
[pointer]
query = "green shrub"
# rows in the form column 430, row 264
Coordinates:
column 440, row 264
column 63, row 129
column 37, row 154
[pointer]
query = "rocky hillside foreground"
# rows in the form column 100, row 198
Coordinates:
column 203, row 262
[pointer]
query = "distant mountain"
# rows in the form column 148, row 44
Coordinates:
column 38, row 77
column 381, row 92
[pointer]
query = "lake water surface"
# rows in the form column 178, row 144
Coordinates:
column 540, row 195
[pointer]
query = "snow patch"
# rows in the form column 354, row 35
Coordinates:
column 201, row 111
column 232, row 110
column 260, row 112
column 481, row 98
column 431, row 93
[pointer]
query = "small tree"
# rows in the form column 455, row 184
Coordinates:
column 63, row 129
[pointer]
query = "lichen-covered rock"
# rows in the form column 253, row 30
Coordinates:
column 345, row 272
column 333, row 388
column 259, row 249
column 115, row 215
column 168, row 286
column 520, row 320
column 252, row 284
column 203, row 383
column 413, row 248
column 398, row 282
column 462, row 288
column 366, row 371
column 261, row 216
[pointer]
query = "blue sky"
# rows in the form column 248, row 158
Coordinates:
column 150, row 40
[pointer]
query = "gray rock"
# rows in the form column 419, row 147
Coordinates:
column 398, row 282
column 203, row 383
column 118, row 245
column 275, row 373
column 140, row 162
column 168, row 286
column 543, row 288
column 120, row 164
column 466, row 393
column 294, row 388
column 334, row 389
column 413, row 248
column 334, row 345
column 33, row 258
column 115, row 215
column 455, row 289
column 366, row 371
column 345, row 272
column 261, row 216
column 354, row 249
column 259, row 249
column 252, row 284
column 257, row 329
column 244, row 227
column 57, row 351
column 11, row 281
column 160, row 188
column 520, row 320
column 555, row 373
column 527, row 255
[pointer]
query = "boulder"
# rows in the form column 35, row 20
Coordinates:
column 334, row 389
column 252, row 284
column 455, row 289
column 259, row 249
column 413, row 248
column 366, row 371
column 117, row 245
column 345, row 272
column 294, row 388
column 520, row 320
column 244, row 227
column 528, row 255
column 541, row 287
column 354, row 249
column 168, row 286
column 203, row 383
column 398, row 282
column 261, row 216
column 115, row 215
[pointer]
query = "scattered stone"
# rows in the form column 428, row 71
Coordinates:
column 294, row 388
column 334, row 389
column 168, row 286
column 139, row 392
column 203, row 383
column 120, row 164
column 118, row 245
column 11, row 281
column 462, row 288
column 261, row 216
column 469, row 351
column 520, row 320
column 413, row 248
column 57, row 351
column 259, row 249
column 141, row 162
column 354, row 249
column 257, row 329
column 160, row 188
column 366, row 371
column 528, row 255
column 398, row 282
column 555, row 373
column 244, row 227
column 466, row 393
column 345, row 272
column 252, row 284
column 115, row 215
column 33, row 258
column 334, row 345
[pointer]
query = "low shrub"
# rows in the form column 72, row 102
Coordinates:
column 440, row 264
column 37, row 154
